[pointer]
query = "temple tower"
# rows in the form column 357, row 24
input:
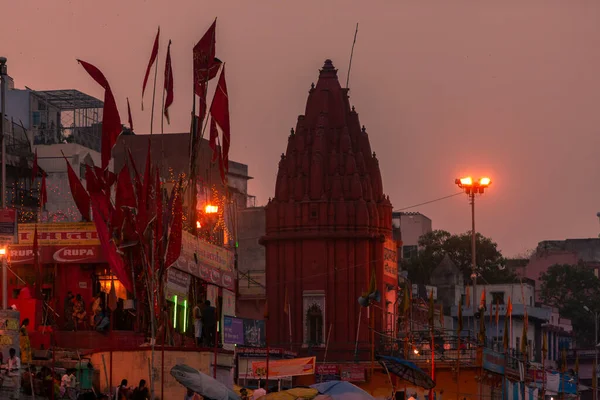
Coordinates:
column 325, row 229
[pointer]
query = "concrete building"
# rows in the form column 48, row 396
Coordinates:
column 251, row 263
column 408, row 228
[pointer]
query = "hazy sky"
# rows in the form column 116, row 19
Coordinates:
column 509, row 89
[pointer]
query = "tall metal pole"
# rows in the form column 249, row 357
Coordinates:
column 3, row 73
column 596, row 360
column 473, row 255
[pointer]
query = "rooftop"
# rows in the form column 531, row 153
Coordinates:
column 69, row 99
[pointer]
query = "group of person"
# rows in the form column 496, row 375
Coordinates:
column 124, row 392
column 205, row 323
column 76, row 316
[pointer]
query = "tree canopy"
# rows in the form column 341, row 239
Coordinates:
column 571, row 288
column 433, row 246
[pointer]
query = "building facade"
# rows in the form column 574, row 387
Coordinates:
column 410, row 226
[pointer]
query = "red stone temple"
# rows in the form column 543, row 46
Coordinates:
column 326, row 231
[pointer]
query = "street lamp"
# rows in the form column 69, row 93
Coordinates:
column 586, row 308
column 472, row 188
column 4, row 278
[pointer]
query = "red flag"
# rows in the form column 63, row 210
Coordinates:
column 39, row 271
column 176, row 234
column 92, row 182
column 204, row 60
column 43, row 192
column 116, row 263
column 34, row 168
column 168, row 83
column 212, row 142
column 222, row 168
column 124, row 196
column 129, row 115
column 80, row 196
column 111, row 121
column 150, row 63
column 219, row 109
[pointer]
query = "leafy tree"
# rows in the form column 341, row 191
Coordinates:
column 571, row 288
column 436, row 244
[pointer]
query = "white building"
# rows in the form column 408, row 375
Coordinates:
column 409, row 227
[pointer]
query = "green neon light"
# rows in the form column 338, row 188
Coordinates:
column 175, row 313
column 184, row 315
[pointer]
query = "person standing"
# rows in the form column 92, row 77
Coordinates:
column 24, row 343
column 209, row 322
column 198, row 323
column 14, row 372
column 141, row 392
column 258, row 393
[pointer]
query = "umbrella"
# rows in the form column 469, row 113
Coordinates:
column 202, row 384
column 341, row 390
column 407, row 371
column 292, row 394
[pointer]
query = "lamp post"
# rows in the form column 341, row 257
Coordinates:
column 4, row 278
column 3, row 73
column 595, row 393
column 472, row 188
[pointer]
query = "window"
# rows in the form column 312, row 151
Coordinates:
column 409, row 251
column 36, row 118
column 518, row 344
column 497, row 297
column 314, row 317
column 314, row 322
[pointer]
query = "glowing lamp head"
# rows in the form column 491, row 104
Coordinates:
column 210, row 209
column 468, row 181
column 485, row 181
column 2, row 251
column 416, row 351
column 198, row 224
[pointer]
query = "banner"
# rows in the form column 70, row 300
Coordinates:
column 178, row 283
column 254, row 333
column 229, row 309
column 213, row 264
column 285, row 368
column 233, row 330
column 23, row 254
column 390, row 259
column 352, row 373
column 59, row 234
column 9, row 332
column 327, row 372
column 493, row 361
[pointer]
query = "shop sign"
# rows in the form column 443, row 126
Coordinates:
column 233, row 330
column 8, row 218
column 352, row 373
column 23, row 254
column 390, row 259
column 262, row 352
column 493, row 361
column 285, row 368
column 327, row 372
column 178, row 283
column 59, row 234
column 211, row 263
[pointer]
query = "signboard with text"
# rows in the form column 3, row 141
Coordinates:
column 352, row 373
column 390, row 259
column 285, row 368
column 23, row 254
column 233, row 330
column 8, row 218
column 493, row 361
column 9, row 332
column 60, row 234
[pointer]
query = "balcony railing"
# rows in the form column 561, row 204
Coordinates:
column 518, row 310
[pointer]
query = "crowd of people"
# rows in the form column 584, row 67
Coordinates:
column 76, row 316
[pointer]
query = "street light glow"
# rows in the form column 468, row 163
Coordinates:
column 2, row 251
column 473, row 186
column 485, row 181
column 468, row 181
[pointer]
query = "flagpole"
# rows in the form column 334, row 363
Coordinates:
column 290, row 323
column 154, row 91
column 162, row 108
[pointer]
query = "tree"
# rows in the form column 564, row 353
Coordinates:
column 433, row 246
column 571, row 288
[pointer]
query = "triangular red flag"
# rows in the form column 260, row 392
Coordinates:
column 204, row 59
column 219, row 109
column 153, row 56
column 111, row 121
column 129, row 115
column 43, row 192
column 212, row 141
column 80, row 196
column 176, row 233
column 168, row 83
column 124, row 196
column 34, row 168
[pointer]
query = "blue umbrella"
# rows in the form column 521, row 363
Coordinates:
column 342, row 390
column 202, row 384
column 406, row 370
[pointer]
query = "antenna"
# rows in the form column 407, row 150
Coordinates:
column 351, row 55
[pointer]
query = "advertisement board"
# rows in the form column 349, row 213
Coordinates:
column 233, row 330
column 178, row 283
column 8, row 223
column 9, row 332
column 390, row 259
column 493, row 361
column 352, row 373
column 59, row 234
column 285, row 368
